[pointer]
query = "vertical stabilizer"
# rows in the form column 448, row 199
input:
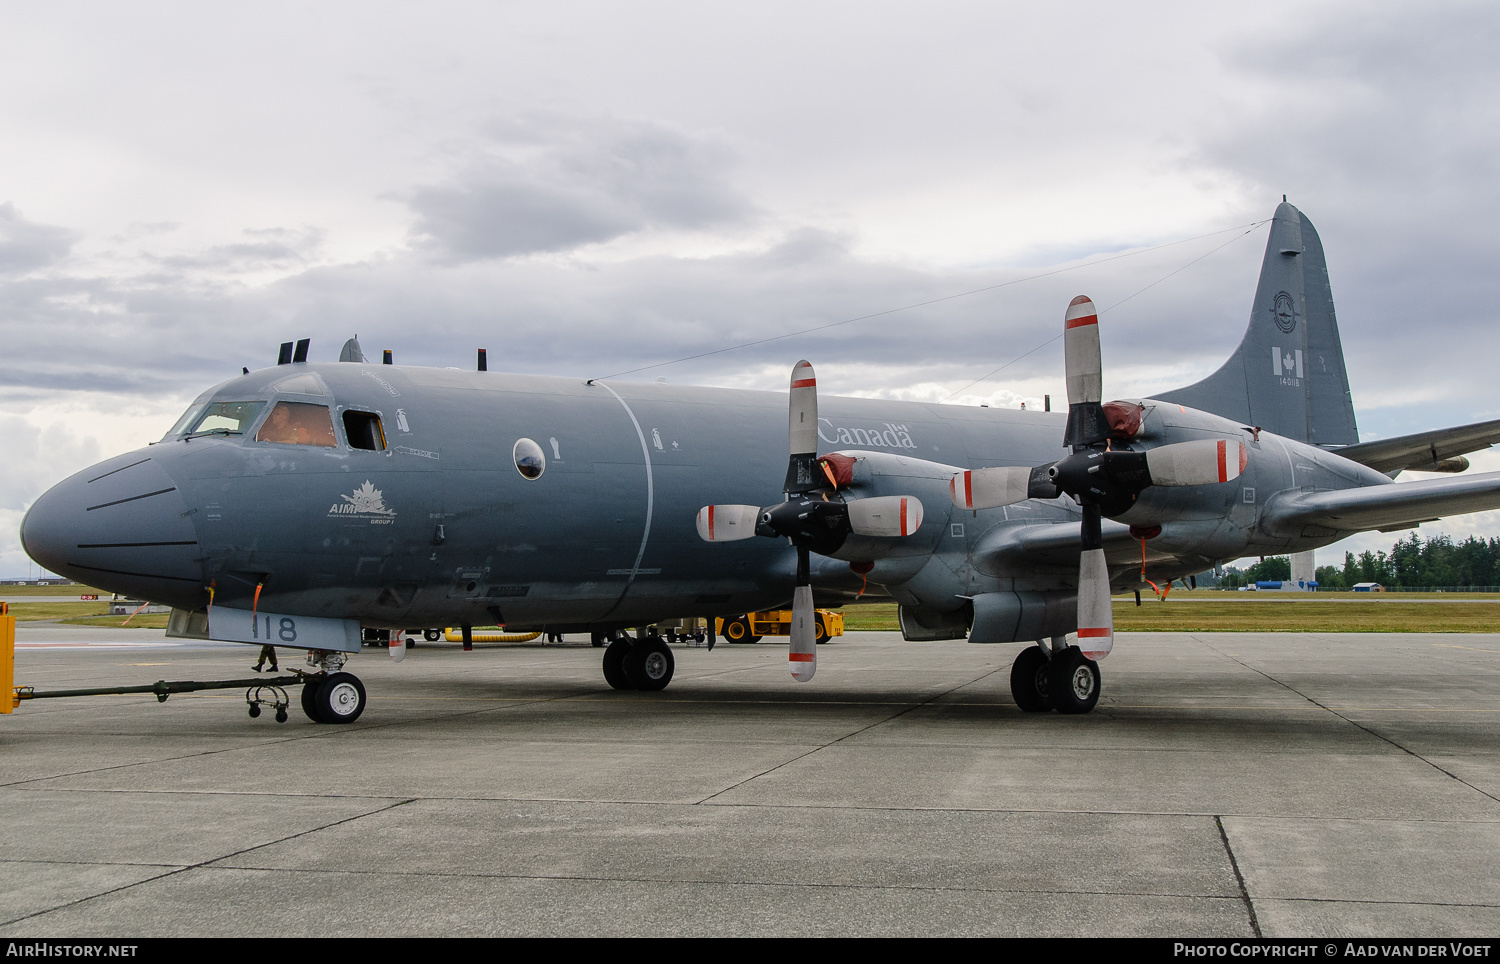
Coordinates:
column 1288, row 374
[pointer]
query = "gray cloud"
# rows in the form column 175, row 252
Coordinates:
column 26, row 245
column 540, row 183
column 265, row 248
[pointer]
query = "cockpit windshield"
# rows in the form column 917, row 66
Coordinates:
column 298, row 423
column 217, row 418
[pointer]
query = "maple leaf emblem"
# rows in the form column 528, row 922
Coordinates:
column 367, row 498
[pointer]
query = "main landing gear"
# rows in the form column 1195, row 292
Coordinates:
column 1054, row 678
column 644, row 663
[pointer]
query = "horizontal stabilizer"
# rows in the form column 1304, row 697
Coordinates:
column 1423, row 451
column 1397, row 505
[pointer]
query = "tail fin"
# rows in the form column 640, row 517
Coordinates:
column 1288, row 374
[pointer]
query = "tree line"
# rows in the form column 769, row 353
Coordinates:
column 1437, row 563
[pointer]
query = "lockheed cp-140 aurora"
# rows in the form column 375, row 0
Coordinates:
column 302, row 503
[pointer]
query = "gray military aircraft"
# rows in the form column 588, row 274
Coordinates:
column 300, row 503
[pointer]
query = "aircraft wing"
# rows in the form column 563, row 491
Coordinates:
column 1007, row 549
column 1383, row 507
column 1423, row 450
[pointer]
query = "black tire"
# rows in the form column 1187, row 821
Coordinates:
column 614, row 664
column 432, row 635
column 821, row 631
column 310, row 699
column 1029, row 684
column 649, row 664
column 737, row 630
column 1073, row 681
column 339, row 698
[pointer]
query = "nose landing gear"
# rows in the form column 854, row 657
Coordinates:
column 331, row 696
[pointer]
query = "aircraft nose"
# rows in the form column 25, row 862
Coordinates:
column 121, row 525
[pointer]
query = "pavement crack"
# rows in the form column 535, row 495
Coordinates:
column 1352, row 722
column 1239, row 878
column 208, row 864
column 852, row 733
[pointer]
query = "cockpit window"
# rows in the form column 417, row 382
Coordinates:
column 298, row 423
column 364, row 431
column 304, row 384
column 218, row 418
column 188, row 417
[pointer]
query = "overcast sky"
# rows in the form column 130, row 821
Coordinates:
column 586, row 188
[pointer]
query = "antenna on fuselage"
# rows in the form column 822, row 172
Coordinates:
column 300, row 355
column 484, row 364
column 385, row 357
column 285, row 358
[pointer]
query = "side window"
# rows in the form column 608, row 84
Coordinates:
column 363, row 431
column 298, row 423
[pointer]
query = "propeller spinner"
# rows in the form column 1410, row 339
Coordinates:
column 814, row 516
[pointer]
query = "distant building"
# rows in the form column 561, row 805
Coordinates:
column 1368, row 587
column 1287, row 585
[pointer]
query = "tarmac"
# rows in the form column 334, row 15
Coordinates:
column 1304, row 785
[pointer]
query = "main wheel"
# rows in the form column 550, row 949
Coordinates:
column 649, row 664
column 1073, row 681
column 339, row 698
column 432, row 635
column 1029, row 685
column 737, row 630
column 614, row 664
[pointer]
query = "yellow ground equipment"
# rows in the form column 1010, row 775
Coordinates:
column 8, row 698
column 750, row 627
column 499, row 636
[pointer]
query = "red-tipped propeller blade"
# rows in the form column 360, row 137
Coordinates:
column 727, row 523
column 1081, row 352
column 803, row 656
column 802, row 431
column 886, row 515
column 990, row 488
column 1201, row 462
column 1096, row 621
column 1086, row 422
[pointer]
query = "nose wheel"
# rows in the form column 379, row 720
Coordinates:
column 333, row 698
column 1066, row 681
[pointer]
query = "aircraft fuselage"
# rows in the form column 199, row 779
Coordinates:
column 437, row 525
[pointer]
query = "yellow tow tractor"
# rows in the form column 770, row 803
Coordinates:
column 750, row 627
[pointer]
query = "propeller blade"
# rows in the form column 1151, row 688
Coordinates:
column 990, row 488
column 1081, row 352
column 727, row 523
column 887, row 515
column 803, row 657
column 396, row 644
column 1201, row 462
column 802, row 430
column 1085, row 371
column 1096, row 620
